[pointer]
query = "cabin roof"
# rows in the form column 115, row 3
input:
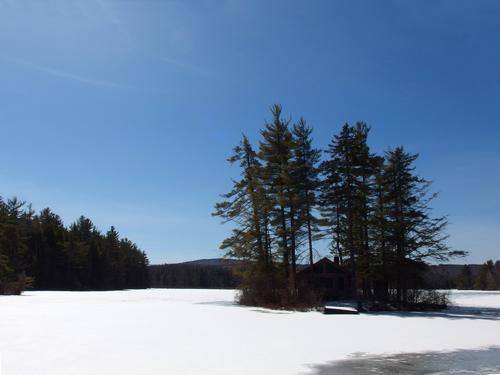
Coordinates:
column 338, row 268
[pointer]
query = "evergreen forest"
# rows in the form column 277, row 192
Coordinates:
column 38, row 251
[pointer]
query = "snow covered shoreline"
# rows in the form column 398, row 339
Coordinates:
column 181, row 331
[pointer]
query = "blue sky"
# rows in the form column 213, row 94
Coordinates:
column 125, row 110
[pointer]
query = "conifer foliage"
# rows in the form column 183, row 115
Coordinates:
column 38, row 251
column 488, row 277
column 373, row 210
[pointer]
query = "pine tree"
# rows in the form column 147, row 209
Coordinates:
column 365, row 164
column 379, row 227
column 51, row 261
column 465, row 278
column 245, row 206
column 6, row 271
column 112, row 248
column 15, row 222
column 414, row 235
column 14, row 235
column 331, row 206
column 346, row 198
column 307, row 183
column 276, row 154
column 78, row 243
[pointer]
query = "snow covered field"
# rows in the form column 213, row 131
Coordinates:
column 166, row 331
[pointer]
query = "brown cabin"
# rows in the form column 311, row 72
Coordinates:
column 329, row 278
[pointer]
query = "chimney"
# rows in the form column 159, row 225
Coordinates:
column 336, row 261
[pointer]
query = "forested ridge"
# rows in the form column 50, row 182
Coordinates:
column 38, row 251
column 219, row 273
column 483, row 277
column 374, row 210
column 210, row 274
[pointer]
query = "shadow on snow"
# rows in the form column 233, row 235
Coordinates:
column 454, row 312
column 484, row 361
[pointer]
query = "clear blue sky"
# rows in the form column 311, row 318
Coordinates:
column 125, row 110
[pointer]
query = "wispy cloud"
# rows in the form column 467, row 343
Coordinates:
column 61, row 74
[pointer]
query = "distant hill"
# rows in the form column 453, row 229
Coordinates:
column 217, row 273
column 444, row 276
column 202, row 273
column 453, row 270
column 212, row 262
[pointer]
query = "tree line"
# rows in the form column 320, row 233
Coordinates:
column 196, row 276
column 37, row 250
column 374, row 211
column 486, row 277
column 220, row 275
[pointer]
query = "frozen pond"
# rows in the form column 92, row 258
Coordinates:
column 167, row 331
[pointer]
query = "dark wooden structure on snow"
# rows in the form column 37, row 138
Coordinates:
column 330, row 279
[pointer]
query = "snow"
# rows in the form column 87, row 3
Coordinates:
column 341, row 308
column 179, row 331
column 476, row 299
